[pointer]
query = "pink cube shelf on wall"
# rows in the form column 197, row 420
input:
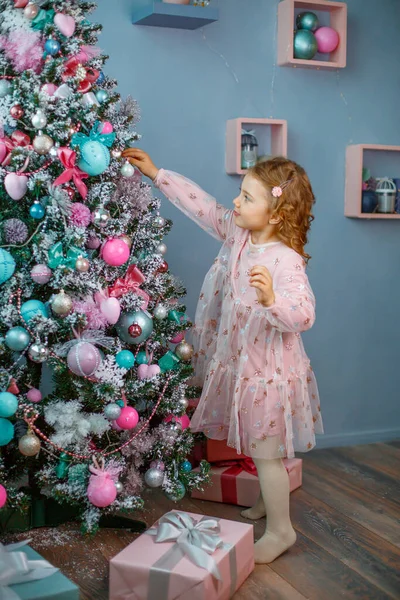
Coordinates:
column 270, row 133
column 336, row 13
column 353, row 185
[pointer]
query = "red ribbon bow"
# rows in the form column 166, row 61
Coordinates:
column 130, row 283
column 71, row 67
column 228, row 477
column 18, row 139
column 68, row 158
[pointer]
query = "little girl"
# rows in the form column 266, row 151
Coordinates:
column 259, row 391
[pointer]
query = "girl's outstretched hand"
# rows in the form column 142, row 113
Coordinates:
column 260, row 278
column 142, row 161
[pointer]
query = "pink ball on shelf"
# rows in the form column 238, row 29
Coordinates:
column 3, row 496
column 34, row 395
column 115, row 252
column 183, row 420
column 178, row 338
column 128, row 418
column 106, row 127
column 327, row 39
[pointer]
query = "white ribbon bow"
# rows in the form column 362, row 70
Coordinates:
column 15, row 567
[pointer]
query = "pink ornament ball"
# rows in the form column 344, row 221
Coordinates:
column 178, row 338
column 49, row 89
column 106, row 127
column 102, row 491
column 327, row 39
column 34, row 395
column 41, row 274
column 3, row 496
column 93, row 242
column 128, row 418
column 84, row 359
column 115, row 252
column 115, row 426
column 183, row 420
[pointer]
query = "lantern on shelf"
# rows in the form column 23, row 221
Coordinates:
column 386, row 193
column 249, row 149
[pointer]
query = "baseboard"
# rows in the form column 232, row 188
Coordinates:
column 332, row 440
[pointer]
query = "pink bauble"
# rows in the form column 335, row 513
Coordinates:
column 157, row 464
column 41, row 274
column 327, row 39
column 128, row 418
column 3, row 496
column 111, row 309
column 183, row 420
column 101, row 491
column 49, row 89
column 106, row 127
column 178, row 338
column 83, row 359
column 115, row 252
column 93, row 242
column 34, row 395
column 147, row 371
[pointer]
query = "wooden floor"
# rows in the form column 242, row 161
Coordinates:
column 346, row 516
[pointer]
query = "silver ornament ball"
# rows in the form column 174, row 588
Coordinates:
column 82, row 264
column 184, row 351
column 161, row 248
column 43, row 144
column 184, row 402
column 116, row 153
column 119, row 487
column 39, row 120
column 29, row 445
column 112, row 411
column 61, row 304
column 160, row 312
column 38, row 352
column 127, row 170
column 5, row 88
column 100, row 217
column 154, row 478
column 159, row 222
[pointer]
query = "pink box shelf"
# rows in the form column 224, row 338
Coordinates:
column 270, row 133
column 336, row 14
column 353, row 184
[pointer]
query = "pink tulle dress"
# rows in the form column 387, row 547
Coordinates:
column 259, row 390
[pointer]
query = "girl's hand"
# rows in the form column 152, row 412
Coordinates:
column 142, row 161
column 260, row 278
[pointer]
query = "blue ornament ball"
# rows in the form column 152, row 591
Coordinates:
column 30, row 308
column 125, row 359
column 186, row 466
column 36, row 211
column 7, row 265
column 52, row 47
column 179, row 494
column 101, row 96
column 142, row 318
column 141, row 358
column 305, row 44
column 18, row 338
column 6, row 432
column 8, row 404
column 120, row 403
column 95, row 158
column 101, row 78
column 307, row 20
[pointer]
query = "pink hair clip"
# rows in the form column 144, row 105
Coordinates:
column 278, row 189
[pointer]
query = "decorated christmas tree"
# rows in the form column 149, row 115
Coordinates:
column 87, row 301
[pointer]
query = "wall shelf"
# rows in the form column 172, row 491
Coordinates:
column 178, row 16
column 336, row 13
column 353, row 184
column 270, row 133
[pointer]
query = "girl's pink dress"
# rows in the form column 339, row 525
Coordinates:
column 259, row 390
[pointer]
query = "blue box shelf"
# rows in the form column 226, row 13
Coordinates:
column 178, row 16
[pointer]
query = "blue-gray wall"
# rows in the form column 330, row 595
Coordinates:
column 189, row 83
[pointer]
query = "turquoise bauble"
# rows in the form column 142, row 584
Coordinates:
column 17, row 339
column 120, row 403
column 125, row 359
column 102, row 96
column 186, row 466
column 36, row 211
column 6, row 432
column 141, row 358
column 142, row 318
column 305, row 45
column 95, row 158
column 30, row 308
column 307, row 20
column 52, row 47
column 8, row 404
column 7, row 265
column 179, row 494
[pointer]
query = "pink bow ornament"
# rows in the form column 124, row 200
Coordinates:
column 130, row 283
column 68, row 159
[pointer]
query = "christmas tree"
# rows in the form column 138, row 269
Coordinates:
column 86, row 296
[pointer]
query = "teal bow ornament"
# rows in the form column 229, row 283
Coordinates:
column 43, row 18
column 80, row 139
column 57, row 258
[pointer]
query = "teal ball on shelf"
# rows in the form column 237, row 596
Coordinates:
column 179, row 494
column 140, row 317
column 186, row 466
column 17, row 338
column 94, row 158
column 305, row 44
column 102, row 96
column 6, row 432
column 7, row 265
column 8, row 404
column 141, row 358
column 307, row 20
column 125, row 359
column 30, row 308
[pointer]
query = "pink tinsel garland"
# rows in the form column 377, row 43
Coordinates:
column 24, row 49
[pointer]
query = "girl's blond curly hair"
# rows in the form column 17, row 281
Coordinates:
column 294, row 206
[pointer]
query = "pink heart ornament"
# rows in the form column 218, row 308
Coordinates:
column 65, row 23
column 111, row 309
column 148, row 371
column 16, row 185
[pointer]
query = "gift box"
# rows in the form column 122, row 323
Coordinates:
column 217, row 450
column 37, row 579
column 236, row 482
column 184, row 556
